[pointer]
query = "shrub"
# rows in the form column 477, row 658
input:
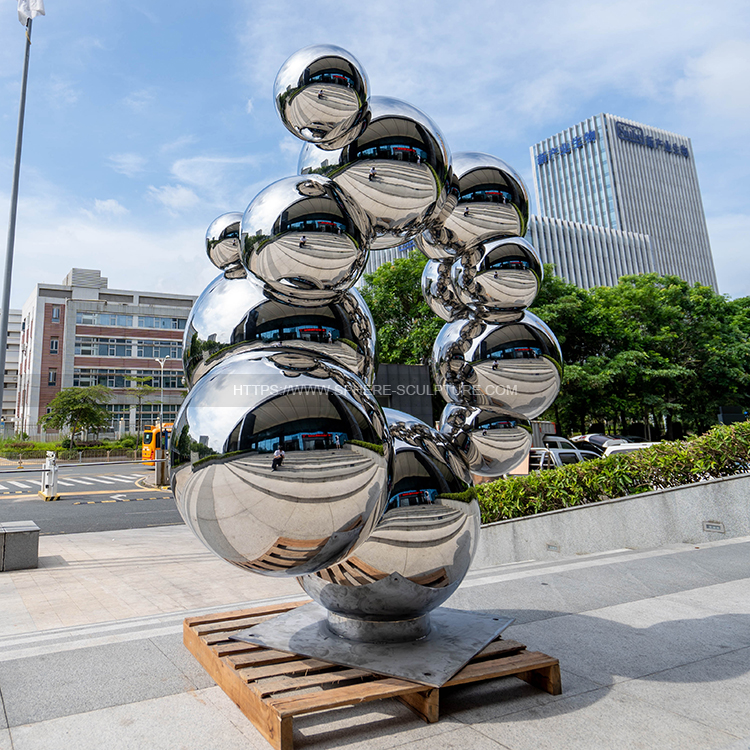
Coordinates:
column 721, row 452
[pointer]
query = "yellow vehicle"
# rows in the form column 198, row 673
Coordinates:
column 155, row 438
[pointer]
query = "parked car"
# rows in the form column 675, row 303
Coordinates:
column 599, row 440
column 549, row 458
column 626, row 448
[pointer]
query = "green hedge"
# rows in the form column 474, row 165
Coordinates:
column 721, row 452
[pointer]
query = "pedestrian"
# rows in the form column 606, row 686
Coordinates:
column 372, row 174
column 336, row 441
column 320, row 94
column 302, row 241
column 466, row 211
column 278, row 458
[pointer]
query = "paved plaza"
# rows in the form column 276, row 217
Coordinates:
column 654, row 648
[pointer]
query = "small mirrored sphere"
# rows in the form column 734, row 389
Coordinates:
column 223, row 244
column 492, row 443
column 305, row 238
column 432, row 249
column 492, row 203
column 280, row 517
column 421, row 548
column 514, row 367
column 321, row 94
column 398, row 170
column 234, row 315
column 438, row 292
column 498, row 279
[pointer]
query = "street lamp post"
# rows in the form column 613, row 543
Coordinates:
column 162, row 361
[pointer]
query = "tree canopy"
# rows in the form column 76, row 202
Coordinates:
column 79, row 409
column 651, row 350
column 405, row 324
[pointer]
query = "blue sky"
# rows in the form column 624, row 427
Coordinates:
column 147, row 120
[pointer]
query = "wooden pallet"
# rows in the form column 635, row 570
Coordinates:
column 272, row 687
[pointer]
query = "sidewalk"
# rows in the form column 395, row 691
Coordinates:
column 654, row 648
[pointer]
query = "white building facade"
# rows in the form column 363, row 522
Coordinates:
column 10, row 383
column 624, row 176
column 82, row 333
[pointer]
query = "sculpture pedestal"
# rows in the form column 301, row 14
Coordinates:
column 271, row 687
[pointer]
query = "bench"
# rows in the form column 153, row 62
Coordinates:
column 19, row 545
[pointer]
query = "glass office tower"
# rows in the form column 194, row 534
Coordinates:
column 614, row 173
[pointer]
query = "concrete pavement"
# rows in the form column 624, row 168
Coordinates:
column 654, row 648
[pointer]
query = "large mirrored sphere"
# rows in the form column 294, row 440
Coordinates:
column 398, row 170
column 314, row 508
column 492, row 203
column 321, row 95
column 305, row 238
column 421, row 548
column 514, row 367
column 438, row 291
column 491, row 443
column 223, row 244
column 234, row 315
column 498, row 279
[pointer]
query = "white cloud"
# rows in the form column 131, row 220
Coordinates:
column 62, row 92
column 175, row 198
column 249, row 106
column 178, row 143
column 110, row 206
column 139, row 100
column 127, row 164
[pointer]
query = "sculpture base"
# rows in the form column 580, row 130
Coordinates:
column 454, row 638
column 363, row 630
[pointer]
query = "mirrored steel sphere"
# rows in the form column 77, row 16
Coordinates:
column 223, row 244
column 438, row 292
column 234, row 315
column 498, row 279
column 491, row 443
column 305, row 238
column 321, row 95
column 493, row 202
column 513, row 367
column 398, row 170
column 417, row 555
column 320, row 502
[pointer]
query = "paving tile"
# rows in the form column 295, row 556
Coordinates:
column 173, row 648
column 192, row 723
column 636, row 639
column 5, row 740
column 457, row 739
column 713, row 691
column 600, row 720
column 70, row 682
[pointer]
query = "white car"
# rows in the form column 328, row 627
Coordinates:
column 625, row 448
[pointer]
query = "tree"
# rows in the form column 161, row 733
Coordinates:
column 79, row 409
column 406, row 327
column 142, row 391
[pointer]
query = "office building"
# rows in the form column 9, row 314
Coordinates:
column 627, row 177
column 8, row 425
column 82, row 333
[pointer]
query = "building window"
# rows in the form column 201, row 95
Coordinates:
column 147, row 321
column 52, row 377
column 54, row 345
column 55, row 314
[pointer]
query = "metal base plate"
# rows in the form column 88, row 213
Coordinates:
column 455, row 638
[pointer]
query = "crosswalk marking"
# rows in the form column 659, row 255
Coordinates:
column 19, row 484
column 64, row 483
column 78, row 481
column 103, row 481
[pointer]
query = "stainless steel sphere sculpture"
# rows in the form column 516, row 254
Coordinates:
column 282, row 461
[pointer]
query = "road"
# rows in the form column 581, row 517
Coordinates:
column 93, row 498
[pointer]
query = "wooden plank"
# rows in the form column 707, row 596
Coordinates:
column 426, row 704
column 545, row 678
column 266, row 611
column 343, row 696
column 502, row 667
column 276, row 729
column 498, row 648
column 233, row 647
column 282, row 683
column 258, row 658
column 230, row 626
column 301, row 666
